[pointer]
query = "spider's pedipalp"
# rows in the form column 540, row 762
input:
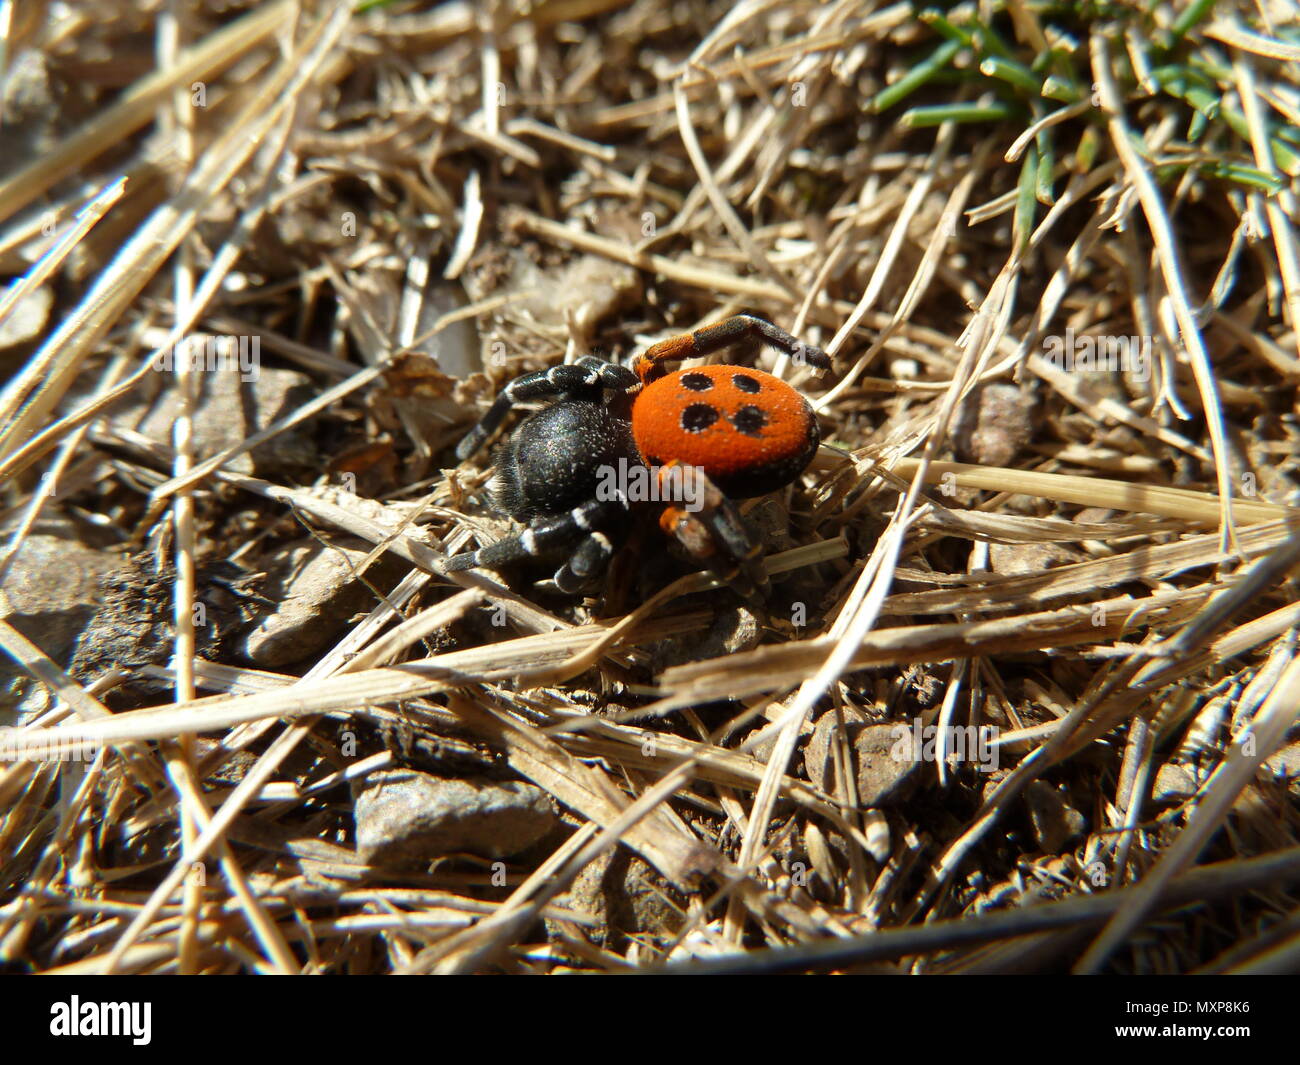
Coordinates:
column 544, row 536
column 586, row 378
column 587, row 563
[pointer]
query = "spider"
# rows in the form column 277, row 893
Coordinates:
column 577, row 472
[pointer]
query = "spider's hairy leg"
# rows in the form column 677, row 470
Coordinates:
column 543, row 536
column 652, row 364
column 588, row 562
column 586, row 377
column 714, row 534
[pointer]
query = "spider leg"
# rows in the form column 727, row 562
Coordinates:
column 588, row 562
column 713, row 532
column 589, row 375
column 543, row 536
column 711, row 338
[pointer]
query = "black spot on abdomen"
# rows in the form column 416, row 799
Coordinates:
column 698, row 417
column 749, row 420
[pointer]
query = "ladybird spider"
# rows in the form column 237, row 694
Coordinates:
column 703, row 435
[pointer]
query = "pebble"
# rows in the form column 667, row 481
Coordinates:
column 881, row 776
column 315, row 592
column 50, row 595
column 1055, row 822
column 994, row 426
column 27, row 319
column 626, row 897
column 406, row 817
column 1173, row 783
column 54, row 587
column 1027, row 559
column 230, row 410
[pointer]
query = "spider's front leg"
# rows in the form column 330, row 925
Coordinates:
column 587, row 377
column 653, row 363
column 597, row 528
column 708, row 525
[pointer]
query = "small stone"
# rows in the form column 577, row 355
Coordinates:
column 769, row 522
column 1173, row 783
column 1094, row 516
column 588, row 895
column 817, row 761
column 94, row 611
column 27, row 318
column 315, row 591
column 643, row 902
column 405, row 817
column 882, row 776
column 994, row 425
column 54, row 588
column 1027, row 559
column 133, row 626
column 33, row 105
column 230, row 410
column 734, row 630
column 1055, row 822
column 626, row 897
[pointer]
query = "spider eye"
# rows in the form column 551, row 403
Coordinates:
column 696, row 382
column 698, row 417
column 745, row 383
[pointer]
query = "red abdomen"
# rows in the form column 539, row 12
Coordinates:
column 749, row 431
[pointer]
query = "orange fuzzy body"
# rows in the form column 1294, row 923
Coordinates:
column 750, row 432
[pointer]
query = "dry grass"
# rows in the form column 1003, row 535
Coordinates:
column 1105, row 582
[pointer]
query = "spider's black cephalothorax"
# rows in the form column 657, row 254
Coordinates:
column 548, row 472
column 554, row 474
column 547, row 477
column 553, row 462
